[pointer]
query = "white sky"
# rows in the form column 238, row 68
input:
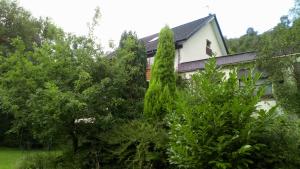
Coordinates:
column 148, row 16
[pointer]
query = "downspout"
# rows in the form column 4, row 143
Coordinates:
column 178, row 59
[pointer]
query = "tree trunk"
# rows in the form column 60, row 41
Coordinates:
column 297, row 73
column 74, row 142
column 74, row 137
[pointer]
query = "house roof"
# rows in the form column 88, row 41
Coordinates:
column 181, row 33
column 222, row 60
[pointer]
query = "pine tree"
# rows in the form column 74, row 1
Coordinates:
column 160, row 94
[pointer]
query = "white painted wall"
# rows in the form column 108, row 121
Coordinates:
column 151, row 59
column 266, row 104
column 195, row 47
column 188, row 75
column 226, row 72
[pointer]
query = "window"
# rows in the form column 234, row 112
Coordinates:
column 208, row 48
column 208, row 43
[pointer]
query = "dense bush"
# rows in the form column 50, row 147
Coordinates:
column 217, row 125
column 139, row 144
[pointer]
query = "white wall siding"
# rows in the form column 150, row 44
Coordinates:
column 195, row 47
column 150, row 60
column 188, row 75
column 266, row 104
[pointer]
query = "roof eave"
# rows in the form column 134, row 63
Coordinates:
column 222, row 37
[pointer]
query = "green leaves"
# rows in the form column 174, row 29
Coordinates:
column 142, row 145
column 161, row 92
column 130, row 69
column 216, row 123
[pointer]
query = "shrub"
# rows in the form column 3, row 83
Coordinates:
column 140, row 145
column 218, row 126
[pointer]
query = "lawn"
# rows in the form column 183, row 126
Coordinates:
column 9, row 156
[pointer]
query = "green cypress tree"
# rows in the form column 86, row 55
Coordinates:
column 160, row 94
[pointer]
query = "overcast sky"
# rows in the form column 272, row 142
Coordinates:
column 148, row 16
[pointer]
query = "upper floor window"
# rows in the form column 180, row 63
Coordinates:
column 208, row 43
column 208, row 48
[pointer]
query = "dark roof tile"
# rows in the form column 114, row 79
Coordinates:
column 222, row 60
column 181, row 32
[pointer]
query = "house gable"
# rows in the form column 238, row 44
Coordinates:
column 195, row 48
column 181, row 34
column 193, row 41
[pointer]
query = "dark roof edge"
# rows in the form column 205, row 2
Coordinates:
column 221, row 33
column 193, row 70
column 239, row 53
column 220, row 57
column 217, row 58
column 207, row 18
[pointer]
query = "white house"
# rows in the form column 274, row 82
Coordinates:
column 195, row 42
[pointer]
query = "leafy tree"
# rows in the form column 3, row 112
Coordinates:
column 245, row 43
column 161, row 91
column 277, row 50
column 250, row 31
column 17, row 22
column 295, row 11
column 277, row 57
column 19, row 79
column 217, row 125
column 130, row 62
column 135, row 143
column 284, row 20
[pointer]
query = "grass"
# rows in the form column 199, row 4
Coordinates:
column 9, row 156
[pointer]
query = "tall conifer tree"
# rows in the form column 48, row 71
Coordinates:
column 160, row 94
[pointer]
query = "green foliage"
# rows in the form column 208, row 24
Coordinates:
column 62, row 91
column 274, row 49
column 295, row 11
column 160, row 94
column 130, row 63
column 245, row 43
column 17, row 22
column 282, row 42
column 54, row 85
column 57, row 89
column 217, row 125
column 17, row 83
column 140, row 145
column 20, row 33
